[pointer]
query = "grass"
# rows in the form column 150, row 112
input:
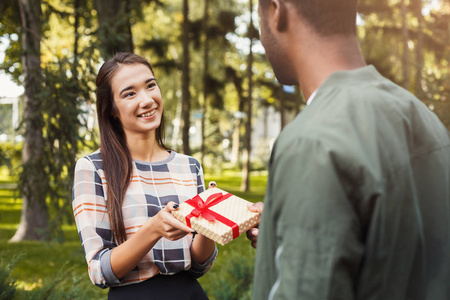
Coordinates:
column 41, row 263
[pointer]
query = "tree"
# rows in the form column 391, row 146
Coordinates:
column 54, row 91
column 245, row 184
column 393, row 30
column 185, row 96
column 419, row 47
column 34, row 218
column 114, row 30
column 236, row 135
column 205, row 76
column 405, row 35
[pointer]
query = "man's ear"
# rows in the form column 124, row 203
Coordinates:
column 280, row 14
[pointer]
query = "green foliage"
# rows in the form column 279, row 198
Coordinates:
column 11, row 156
column 10, row 29
column 427, row 52
column 236, row 277
column 63, row 286
column 43, row 270
column 62, row 102
column 7, row 283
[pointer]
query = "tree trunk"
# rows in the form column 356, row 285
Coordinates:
column 237, row 126
column 245, row 185
column 205, row 77
column 237, row 122
column 34, row 218
column 114, row 27
column 236, row 137
column 405, row 45
column 186, row 105
column 265, row 122
column 419, row 49
column 76, row 6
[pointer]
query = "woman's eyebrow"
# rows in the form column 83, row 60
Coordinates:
column 132, row 86
column 126, row 89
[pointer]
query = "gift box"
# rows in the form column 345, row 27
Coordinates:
column 218, row 215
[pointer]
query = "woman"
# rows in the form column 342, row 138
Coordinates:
column 124, row 193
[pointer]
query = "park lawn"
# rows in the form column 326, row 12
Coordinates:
column 41, row 264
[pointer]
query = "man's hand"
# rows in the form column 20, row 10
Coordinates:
column 252, row 233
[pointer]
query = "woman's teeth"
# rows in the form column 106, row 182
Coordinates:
column 150, row 113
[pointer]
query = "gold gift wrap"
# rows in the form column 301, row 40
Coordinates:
column 232, row 208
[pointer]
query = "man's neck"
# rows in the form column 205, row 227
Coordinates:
column 317, row 59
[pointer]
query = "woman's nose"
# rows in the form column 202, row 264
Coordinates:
column 146, row 100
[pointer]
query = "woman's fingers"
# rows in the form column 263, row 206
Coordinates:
column 172, row 221
column 212, row 184
column 171, row 228
column 171, row 206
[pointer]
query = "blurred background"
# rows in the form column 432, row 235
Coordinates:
column 223, row 105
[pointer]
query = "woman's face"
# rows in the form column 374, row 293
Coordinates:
column 138, row 99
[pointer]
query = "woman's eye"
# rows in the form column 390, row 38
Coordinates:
column 129, row 94
column 151, row 85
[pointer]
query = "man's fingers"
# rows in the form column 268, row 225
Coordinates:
column 256, row 207
column 252, row 233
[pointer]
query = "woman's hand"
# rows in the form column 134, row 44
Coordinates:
column 127, row 255
column 168, row 226
column 252, row 233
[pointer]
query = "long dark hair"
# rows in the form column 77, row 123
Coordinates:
column 116, row 157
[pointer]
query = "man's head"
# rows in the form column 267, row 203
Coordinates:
column 323, row 18
column 326, row 17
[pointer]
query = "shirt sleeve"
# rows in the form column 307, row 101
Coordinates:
column 200, row 179
column 318, row 247
column 197, row 270
column 92, row 220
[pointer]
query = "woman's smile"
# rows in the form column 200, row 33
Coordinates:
column 148, row 114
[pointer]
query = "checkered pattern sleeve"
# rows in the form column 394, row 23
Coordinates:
column 200, row 179
column 91, row 217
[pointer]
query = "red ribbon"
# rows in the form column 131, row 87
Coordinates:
column 202, row 208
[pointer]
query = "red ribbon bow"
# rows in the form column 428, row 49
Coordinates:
column 201, row 208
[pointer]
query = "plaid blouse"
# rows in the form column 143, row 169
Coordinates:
column 177, row 178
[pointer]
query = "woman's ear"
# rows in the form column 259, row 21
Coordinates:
column 279, row 14
column 114, row 111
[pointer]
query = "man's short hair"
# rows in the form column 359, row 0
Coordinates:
column 327, row 17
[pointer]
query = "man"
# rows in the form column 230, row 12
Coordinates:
column 358, row 196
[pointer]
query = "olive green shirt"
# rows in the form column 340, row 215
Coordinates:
column 358, row 198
